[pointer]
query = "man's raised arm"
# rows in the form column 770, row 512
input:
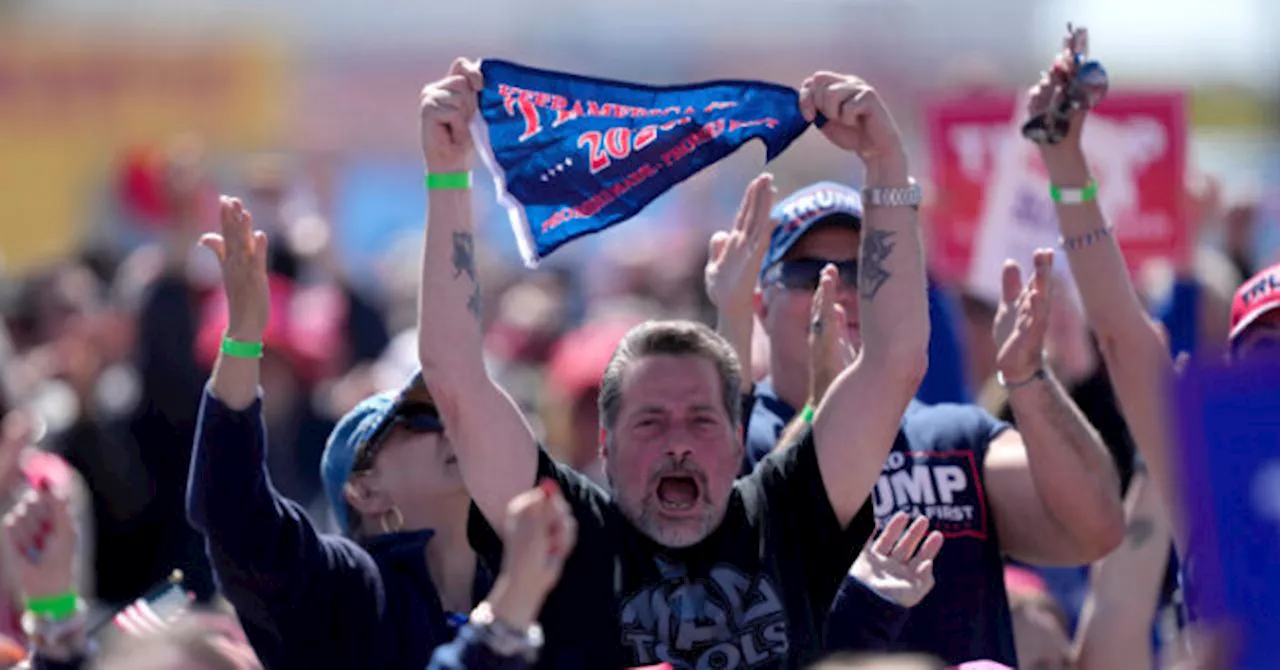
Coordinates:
column 857, row 420
column 494, row 445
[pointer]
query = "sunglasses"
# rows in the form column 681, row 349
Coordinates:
column 802, row 274
column 415, row 417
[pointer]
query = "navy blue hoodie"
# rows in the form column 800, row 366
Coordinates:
column 306, row 599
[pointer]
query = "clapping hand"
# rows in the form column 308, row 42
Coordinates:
column 540, row 534
column 735, row 255
column 896, row 565
column 830, row 351
column 1023, row 319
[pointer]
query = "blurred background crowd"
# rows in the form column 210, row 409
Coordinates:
column 121, row 122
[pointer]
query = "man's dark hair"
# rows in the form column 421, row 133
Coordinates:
column 671, row 338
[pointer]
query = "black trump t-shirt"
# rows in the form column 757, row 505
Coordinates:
column 753, row 594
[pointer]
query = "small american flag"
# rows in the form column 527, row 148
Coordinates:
column 152, row 613
column 144, row 618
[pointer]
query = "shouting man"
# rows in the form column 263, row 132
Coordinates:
column 680, row 562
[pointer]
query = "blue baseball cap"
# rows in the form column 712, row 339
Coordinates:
column 353, row 442
column 824, row 203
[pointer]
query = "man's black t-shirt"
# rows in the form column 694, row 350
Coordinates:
column 754, row 594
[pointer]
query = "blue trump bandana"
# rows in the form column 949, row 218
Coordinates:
column 574, row 155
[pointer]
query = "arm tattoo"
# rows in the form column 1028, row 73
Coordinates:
column 1139, row 531
column 464, row 261
column 473, row 303
column 464, row 255
column 877, row 245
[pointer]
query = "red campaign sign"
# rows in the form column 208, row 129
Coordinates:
column 1136, row 144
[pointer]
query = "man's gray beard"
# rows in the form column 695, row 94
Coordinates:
column 650, row 525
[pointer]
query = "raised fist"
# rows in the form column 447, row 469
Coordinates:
column 447, row 108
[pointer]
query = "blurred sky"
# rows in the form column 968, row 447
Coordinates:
column 1224, row 40
column 345, row 84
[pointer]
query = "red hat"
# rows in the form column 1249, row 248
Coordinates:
column 580, row 357
column 1256, row 297
column 304, row 326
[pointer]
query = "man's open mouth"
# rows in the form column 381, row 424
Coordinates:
column 678, row 492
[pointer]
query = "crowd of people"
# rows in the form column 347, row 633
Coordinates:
column 788, row 470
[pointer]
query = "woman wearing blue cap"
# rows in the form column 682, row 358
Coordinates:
column 402, row 578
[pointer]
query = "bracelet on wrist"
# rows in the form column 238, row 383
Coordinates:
column 238, row 349
column 58, row 640
column 56, row 607
column 448, row 181
column 1082, row 241
column 503, row 639
column 1074, row 196
column 1036, row 376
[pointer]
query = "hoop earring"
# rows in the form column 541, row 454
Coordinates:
column 397, row 522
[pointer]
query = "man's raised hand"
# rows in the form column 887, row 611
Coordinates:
column 540, row 534
column 447, row 107
column 1022, row 320
column 897, row 565
column 830, row 351
column 858, row 120
column 1050, row 90
column 735, row 255
column 242, row 252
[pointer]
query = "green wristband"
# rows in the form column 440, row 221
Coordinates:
column 806, row 414
column 448, row 181
column 57, row 608
column 236, row 349
column 1074, row 196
